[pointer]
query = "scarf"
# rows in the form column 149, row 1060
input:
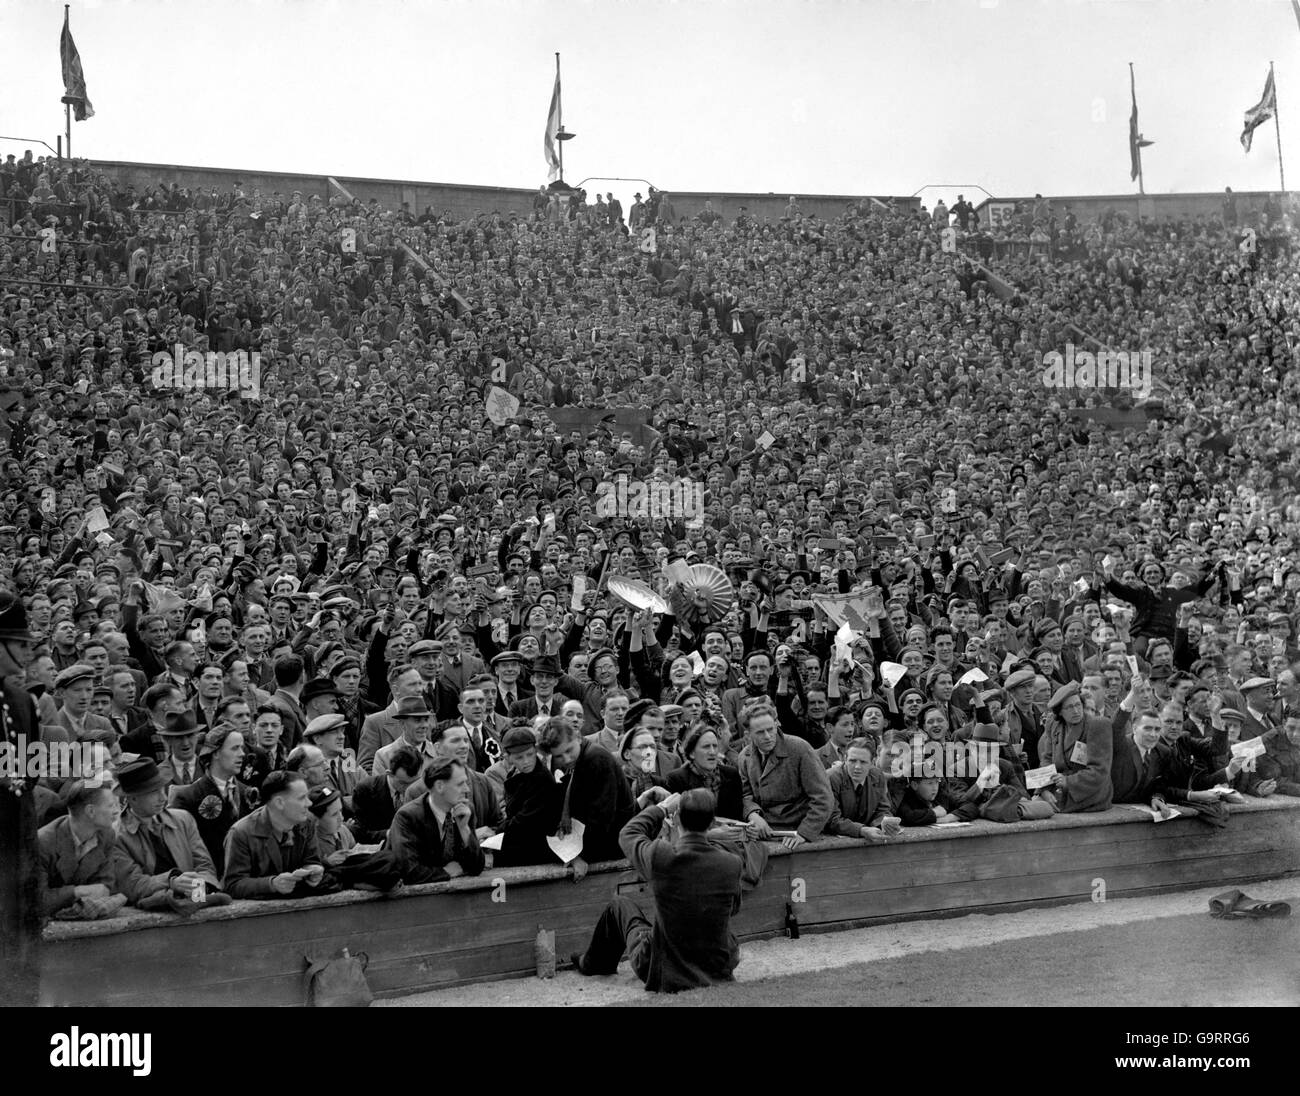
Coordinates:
column 712, row 781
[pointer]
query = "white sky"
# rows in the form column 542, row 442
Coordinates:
column 811, row 96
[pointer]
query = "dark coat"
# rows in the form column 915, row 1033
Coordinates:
column 533, row 804
column 146, row 743
column 373, row 809
column 1133, row 781
column 415, row 840
column 213, row 815
column 696, row 889
column 600, row 799
column 1157, row 609
column 731, row 799
column 848, row 816
column 20, row 890
column 254, row 856
column 915, row 811
column 527, row 707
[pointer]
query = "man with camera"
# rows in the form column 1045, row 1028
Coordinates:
column 696, row 891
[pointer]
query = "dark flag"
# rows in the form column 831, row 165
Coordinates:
column 74, row 80
column 1135, row 140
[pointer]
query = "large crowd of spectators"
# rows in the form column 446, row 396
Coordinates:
column 347, row 630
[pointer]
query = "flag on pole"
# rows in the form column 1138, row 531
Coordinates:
column 552, row 128
column 74, row 80
column 1261, row 112
column 1135, row 140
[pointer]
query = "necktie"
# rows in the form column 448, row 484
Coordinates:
column 448, row 840
column 185, row 777
column 334, row 772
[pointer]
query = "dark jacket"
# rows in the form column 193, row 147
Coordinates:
column 415, row 840
column 254, row 856
column 145, row 742
column 696, row 890
column 854, row 809
column 915, row 811
column 20, row 888
column 533, row 804
column 1280, row 763
column 731, row 799
column 213, row 815
column 1157, row 609
column 600, row 799
column 373, row 809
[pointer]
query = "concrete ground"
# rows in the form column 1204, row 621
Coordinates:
column 1165, row 950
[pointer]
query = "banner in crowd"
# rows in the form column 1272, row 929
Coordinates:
column 842, row 609
column 634, row 420
column 1114, row 419
column 501, row 406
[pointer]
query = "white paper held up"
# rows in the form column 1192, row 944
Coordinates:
column 568, row 848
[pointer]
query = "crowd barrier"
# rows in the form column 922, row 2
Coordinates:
column 472, row 930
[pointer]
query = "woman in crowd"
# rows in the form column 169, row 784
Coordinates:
column 705, row 768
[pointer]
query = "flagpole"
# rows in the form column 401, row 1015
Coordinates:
column 1277, row 128
column 67, row 107
column 559, row 111
column 1138, row 147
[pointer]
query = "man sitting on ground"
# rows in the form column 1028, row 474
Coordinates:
column 696, row 888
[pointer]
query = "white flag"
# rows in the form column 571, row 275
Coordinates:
column 501, row 406
column 552, row 128
column 891, row 673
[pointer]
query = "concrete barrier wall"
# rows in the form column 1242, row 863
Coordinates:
column 462, row 201
column 1158, row 207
